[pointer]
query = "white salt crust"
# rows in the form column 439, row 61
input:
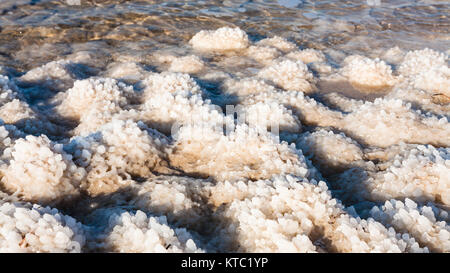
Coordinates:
column 330, row 150
column 428, row 70
column 419, row 172
column 263, row 54
column 187, row 64
column 279, row 43
column 242, row 154
column 13, row 110
column 383, row 122
column 418, row 221
column 287, row 215
column 100, row 94
column 57, row 75
column 149, row 167
column 119, row 150
column 128, row 71
column 137, row 232
column 222, row 39
column 367, row 73
column 41, row 171
column 307, row 56
column 289, row 75
column 33, row 228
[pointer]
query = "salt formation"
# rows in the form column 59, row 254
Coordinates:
column 385, row 122
column 263, row 54
column 308, row 110
column 271, row 117
column 6, row 88
column 187, row 64
column 140, row 233
column 330, row 150
column 242, row 154
column 119, row 150
column 419, row 172
column 171, row 100
column 279, row 43
column 287, row 215
column 38, row 229
column 57, row 75
column 41, row 171
column 419, row 221
column 13, row 110
column 94, row 101
column 227, row 145
column 102, row 94
column 245, row 87
column 289, row 75
column 307, row 56
column 128, row 71
column 369, row 74
column 221, row 39
column 173, row 83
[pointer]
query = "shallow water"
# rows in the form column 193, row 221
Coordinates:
column 37, row 31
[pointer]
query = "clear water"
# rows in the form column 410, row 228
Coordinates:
column 34, row 32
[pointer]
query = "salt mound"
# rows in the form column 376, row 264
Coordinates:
column 386, row 122
column 287, row 215
column 169, row 82
column 120, row 150
column 174, row 99
column 5, row 139
column 183, row 200
column 419, row 221
column 418, row 61
column 222, row 39
column 277, row 42
column 428, row 70
column 307, row 56
column 41, row 171
column 432, row 103
column 375, row 123
column 418, row 172
column 368, row 74
column 57, row 75
column 308, row 110
column 140, row 233
column 38, row 229
column 330, row 150
column 128, row 71
column 93, row 102
column 289, row 75
column 435, row 81
column 272, row 117
column 94, row 93
column 246, row 86
column 16, row 111
column 6, row 90
column 263, row 54
column 187, row 64
column 241, row 154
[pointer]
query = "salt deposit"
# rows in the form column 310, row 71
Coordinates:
column 231, row 143
column 289, row 75
column 220, row 40
column 140, row 233
column 418, row 172
column 187, row 64
column 40, row 171
column 366, row 73
column 32, row 228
